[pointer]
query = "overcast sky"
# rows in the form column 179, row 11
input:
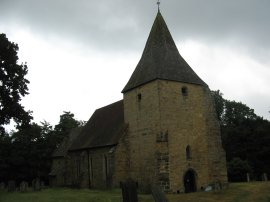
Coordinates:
column 80, row 54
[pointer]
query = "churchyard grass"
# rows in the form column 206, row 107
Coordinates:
column 63, row 195
column 237, row 192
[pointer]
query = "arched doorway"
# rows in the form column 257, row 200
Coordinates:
column 190, row 181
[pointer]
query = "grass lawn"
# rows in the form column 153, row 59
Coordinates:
column 237, row 192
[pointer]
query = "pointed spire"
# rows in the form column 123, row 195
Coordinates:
column 161, row 60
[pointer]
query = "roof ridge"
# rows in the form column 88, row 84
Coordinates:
column 109, row 105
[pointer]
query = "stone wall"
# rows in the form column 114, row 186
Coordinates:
column 191, row 120
column 121, row 163
column 141, row 112
column 92, row 168
column 57, row 177
column 165, row 117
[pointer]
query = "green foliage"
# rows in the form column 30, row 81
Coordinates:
column 244, row 134
column 238, row 169
column 232, row 113
column 236, row 113
column 219, row 103
column 13, row 84
column 5, row 149
column 66, row 124
column 26, row 153
column 249, row 141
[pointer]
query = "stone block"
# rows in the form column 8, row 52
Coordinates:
column 36, row 184
column 2, row 186
column 11, row 187
column 23, row 186
column 158, row 194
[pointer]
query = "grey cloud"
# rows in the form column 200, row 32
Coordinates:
column 101, row 23
column 125, row 24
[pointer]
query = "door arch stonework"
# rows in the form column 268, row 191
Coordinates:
column 190, row 181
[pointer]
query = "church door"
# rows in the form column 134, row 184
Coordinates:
column 190, row 181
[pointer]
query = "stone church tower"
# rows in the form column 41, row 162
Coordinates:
column 164, row 132
column 173, row 136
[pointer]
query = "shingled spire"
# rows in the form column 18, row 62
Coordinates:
column 161, row 60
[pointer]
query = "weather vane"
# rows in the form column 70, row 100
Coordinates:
column 158, row 3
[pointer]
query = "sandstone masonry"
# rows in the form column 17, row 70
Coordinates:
column 164, row 132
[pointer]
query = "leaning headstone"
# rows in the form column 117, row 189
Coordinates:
column 11, row 186
column 42, row 184
column 264, row 177
column 129, row 191
column 217, row 186
column 158, row 194
column 248, row 177
column 23, row 186
column 2, row 186
column 36, row 184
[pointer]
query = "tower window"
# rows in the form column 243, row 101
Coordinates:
column 188, row 153
column 139, row 96
column 184, row 91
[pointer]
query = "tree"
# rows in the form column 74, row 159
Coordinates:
column 244, row 136
column 27, row 152
column 13, row 84
column 5, row 147
column 238, row 169
column 219, row 103
column 237, row 112
column 66, row 124
column 232, row 113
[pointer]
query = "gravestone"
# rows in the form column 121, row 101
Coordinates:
column 264, row 177
column 11, row 186
column 158, row 194
column 2, row 186
column 42, row 184
column 248, row 177
column 23, row 186
column 129, row 191
column 36, row 184
column 217, row 186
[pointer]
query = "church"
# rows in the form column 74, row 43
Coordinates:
column 163, row 132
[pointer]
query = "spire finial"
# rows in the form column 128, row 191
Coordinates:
column 158, row 3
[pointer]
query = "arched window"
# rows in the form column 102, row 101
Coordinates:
column 188, row 152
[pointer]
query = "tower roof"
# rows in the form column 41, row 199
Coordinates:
column 161, row 60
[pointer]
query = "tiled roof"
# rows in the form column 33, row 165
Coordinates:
column 104, row 128
column 161, row 60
